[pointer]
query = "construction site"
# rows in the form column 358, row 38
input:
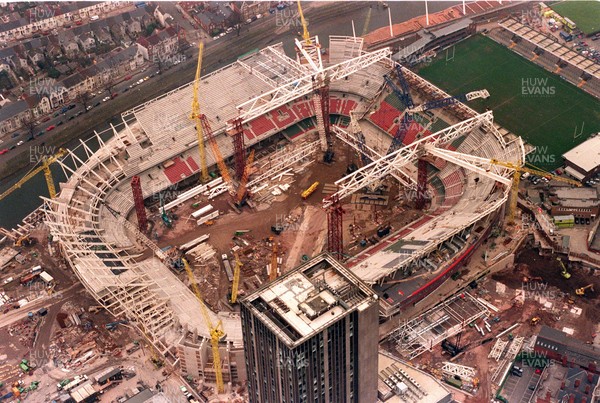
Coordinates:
column 131, row 273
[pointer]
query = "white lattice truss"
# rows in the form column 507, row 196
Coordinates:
column 465, row 373
column 430, row 328
column 285, row 93
column 498, row 349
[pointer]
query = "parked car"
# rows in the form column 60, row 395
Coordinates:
column 3, row 151
column 46, row 118
column 97, row 103
column 56, row 114
column 71, row 117
column 20, row 142
column 587, row 221
column 50, row 128
column 40, row 134
column 89, row 107
column 12, row 147
column 15, row 134
column 59, row 123
column 72, row 106
column 105, row 99
column 128, row 78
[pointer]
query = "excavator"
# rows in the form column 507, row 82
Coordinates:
column 581, row 291
column 564, row 271
column 535, row 321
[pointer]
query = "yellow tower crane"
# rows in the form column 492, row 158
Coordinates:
column 514, row 195
column 305, row 34
column 195, row 116
column 273, row 272
column 46, row 162
column 236, row 278
column 216, row 332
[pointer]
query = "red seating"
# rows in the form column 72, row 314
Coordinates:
column 385, row 115
column 261, row 125
column 283, row 117
column 302, row 109
column 178, row 170
column 348, row 107
column 192, row 164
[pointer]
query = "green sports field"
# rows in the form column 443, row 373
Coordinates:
column 531, row 102
column 586, row 14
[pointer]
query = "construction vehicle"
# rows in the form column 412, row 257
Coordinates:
column 45, row 166
column 114, row 325
column 534, row 321
column 518, row 170
column 236, row 278
column 581, row 291
column 23, row 241
column 273, row 271
column 564, row 271
column 310, row 190
column 163, row 213
column 195, row 116
column 216, row 331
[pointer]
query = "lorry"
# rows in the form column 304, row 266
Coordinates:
column 567, row 37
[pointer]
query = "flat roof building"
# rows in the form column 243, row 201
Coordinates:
column 583, row 161
column 312, row 336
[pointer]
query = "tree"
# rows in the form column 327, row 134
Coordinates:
column 29, row 123
column 150, row 28
column 108, row 82
column 84, row 99
column 53, row 73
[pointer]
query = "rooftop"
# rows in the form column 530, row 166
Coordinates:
column 586, row 155
column 307, row 299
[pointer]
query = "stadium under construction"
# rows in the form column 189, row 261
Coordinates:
column 453, row 165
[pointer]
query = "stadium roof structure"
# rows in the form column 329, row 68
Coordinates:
column 586, row 155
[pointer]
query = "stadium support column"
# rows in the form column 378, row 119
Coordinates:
column 239, row 148
column 138, row 201
column 335, row 229
column 421, row 184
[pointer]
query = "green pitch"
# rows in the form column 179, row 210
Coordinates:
column 531, row 102
column 586, row 14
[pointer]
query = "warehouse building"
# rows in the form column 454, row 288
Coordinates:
column 583, row 161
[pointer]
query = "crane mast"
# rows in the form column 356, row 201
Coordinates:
column 216, row 332
column 45, row 166
column 196, row 115
column 305, row 34
column 236, row 278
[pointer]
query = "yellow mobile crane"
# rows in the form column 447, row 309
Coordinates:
column 236, row 277
column 581, row 291
column 196, row 116
column 305, row 34
column 216, row 332
column 45, row 166
column 514, row 195
column 273, row 272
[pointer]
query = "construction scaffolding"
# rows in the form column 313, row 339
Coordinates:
column 138, row 201
column 430, row 328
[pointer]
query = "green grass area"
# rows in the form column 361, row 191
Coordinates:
column 586, row 14
column 526, row 99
